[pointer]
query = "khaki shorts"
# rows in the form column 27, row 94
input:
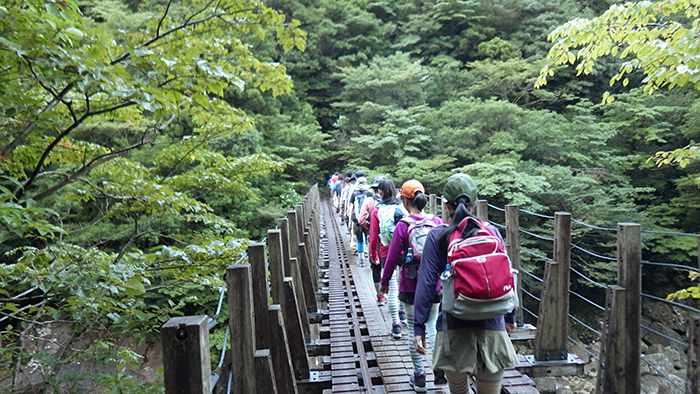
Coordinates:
column 475, row 351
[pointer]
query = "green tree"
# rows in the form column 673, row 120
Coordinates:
column 115, row 122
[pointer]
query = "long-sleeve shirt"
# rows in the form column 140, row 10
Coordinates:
column 432, row 265
column 376, row 249
column 367, row 207
column 400, row 244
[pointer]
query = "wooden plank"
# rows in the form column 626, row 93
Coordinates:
column 553, row 320
column 274, row 246
column 186, row 360
column 283, row 226
column 513, row 246
column 306, row 279
column 281, row 356
column 531, row 367
column 629, row 276
column 264, row 372
column 611, row 364
column 293, row 229
column 241, row 323
column 312, row 261
column 295, row 332
column 261, row 293
column 433, row 204
column 693, row 383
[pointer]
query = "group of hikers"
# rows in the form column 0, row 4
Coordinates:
column 419, row 264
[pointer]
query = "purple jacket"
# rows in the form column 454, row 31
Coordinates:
column 400, row 244
column 432, row 265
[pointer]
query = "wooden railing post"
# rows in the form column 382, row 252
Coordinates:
column 281, row 357
column 186, row 360
column 629, row 276
column 283, row 226
column 295, row 333
column 261, row 293
column 445, row 218
column 264, row 372
column 553, row 320
column 279, row 273
column 306, row 278
column 274, row 246
column 482, row 210
column 433, row 204
column 620, row 369
column 611, row 372
column 293, row 229
column 693, row 383
column 242, row 327
column 513, row 246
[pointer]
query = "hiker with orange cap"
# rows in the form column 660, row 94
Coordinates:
column 405, row 252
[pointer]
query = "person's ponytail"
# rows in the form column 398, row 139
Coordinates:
column 462, row 211
column 420, row 200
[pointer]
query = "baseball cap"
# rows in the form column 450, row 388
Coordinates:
column 376, row 181
column 409, row 188
column 459, row 185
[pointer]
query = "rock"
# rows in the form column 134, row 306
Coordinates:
column 657, row 364
column 565, row 390
column 550, row 385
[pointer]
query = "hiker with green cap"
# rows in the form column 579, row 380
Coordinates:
column 480, row 348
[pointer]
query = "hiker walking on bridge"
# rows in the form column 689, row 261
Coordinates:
column 480, row 348
column 405, row 251
column 386, row 212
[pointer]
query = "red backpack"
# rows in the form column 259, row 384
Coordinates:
column 480, row 282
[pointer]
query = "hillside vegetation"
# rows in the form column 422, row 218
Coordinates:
column 144, row 143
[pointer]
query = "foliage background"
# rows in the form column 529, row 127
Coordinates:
column 136, row 164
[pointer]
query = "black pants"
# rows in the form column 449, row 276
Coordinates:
column 377, row 270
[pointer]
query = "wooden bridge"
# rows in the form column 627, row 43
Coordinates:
column 304, row 319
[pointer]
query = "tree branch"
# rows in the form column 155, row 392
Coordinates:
column 103, row 159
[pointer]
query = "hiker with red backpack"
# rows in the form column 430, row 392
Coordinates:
column 478, row 309
column 405, row 251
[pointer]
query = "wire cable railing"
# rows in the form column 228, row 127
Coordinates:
column 600, row 256
column 587, row 278
column 685, row 345
column 545, row 258
column 690, row 308
column 671, row 265
column 535, row 214
column 542, row 237
column 661, row 373
column 577, row 320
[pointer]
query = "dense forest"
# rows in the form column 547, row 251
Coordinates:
column 144, row 143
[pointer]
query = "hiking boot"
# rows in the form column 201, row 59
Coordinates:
column 417, row 381
column 402, row 317
column 439, row 377
column 381, row 300
column 396, row 334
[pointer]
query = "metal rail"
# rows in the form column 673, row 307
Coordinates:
column 339, row 242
